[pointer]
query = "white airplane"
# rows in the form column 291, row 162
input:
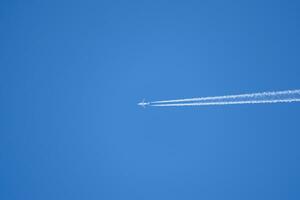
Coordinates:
column 143, row 103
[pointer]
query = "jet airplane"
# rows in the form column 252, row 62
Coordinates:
column 143, row 103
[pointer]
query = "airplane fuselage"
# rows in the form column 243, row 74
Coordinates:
column 143, row 104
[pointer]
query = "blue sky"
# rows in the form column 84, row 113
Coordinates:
column 71, row 73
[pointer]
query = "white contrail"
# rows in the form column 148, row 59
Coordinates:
column 227, row 102
column 253, row 96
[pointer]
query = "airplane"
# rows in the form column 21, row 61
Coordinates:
column 143, row 103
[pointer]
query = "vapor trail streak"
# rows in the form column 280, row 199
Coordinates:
column 227, row 103
column 260, row 95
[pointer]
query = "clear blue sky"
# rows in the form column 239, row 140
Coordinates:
column 71, row 73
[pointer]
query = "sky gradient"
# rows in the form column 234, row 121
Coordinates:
column 72, row 73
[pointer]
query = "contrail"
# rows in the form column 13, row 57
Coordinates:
column 259, row 95
column 286, row 96
column 226, row 103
